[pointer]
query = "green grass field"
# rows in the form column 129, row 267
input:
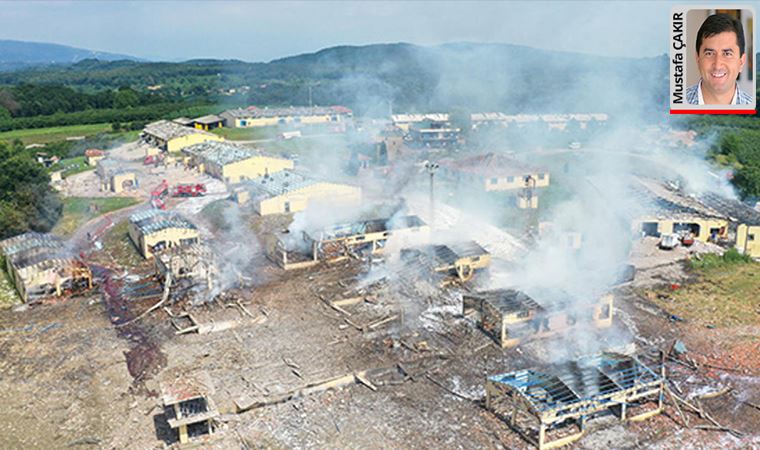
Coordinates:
column 71, row 166
column 78, row 210
column 725, row 295
column 120, row 248
column 45, row 135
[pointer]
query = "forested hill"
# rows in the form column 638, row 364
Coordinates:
column 19, row 54
column 368, row 78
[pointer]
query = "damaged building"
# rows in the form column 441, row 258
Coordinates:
column 706, row 217
column 510, row 316
column 293, row 116
column 232, row 163
column 549, row 406
column 40, row 266
column 188, row 408
column 342, row 241
column 155, row 230
column 172, row 137
column 744, row 223
column 667, row 211
column 452, row 262
column 115, row 178
column 289, row 192
column 192, row 264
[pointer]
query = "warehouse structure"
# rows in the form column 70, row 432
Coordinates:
column 510, row 316
column 114, row 177
column 173, row 137
column 434, row 134
column 338, row 242
column 40, row 265
column 667, row 210
column 155, row 230
column 744, row 222
column 293, row 116
column 493, row 172
column 544, row 404
column 288, row 192
column 93, row 155
column 208, row 122
column 496, row 119
column 232, row 163
column 405, row 121
column 453, row 262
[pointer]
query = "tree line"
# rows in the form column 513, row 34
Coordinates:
column 27, row 202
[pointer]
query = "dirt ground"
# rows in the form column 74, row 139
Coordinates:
column 81, row 373
column 67, row 380
column 130, row 156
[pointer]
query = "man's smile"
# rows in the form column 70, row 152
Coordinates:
column 719, row 74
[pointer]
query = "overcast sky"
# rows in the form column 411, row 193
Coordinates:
column 261, row 31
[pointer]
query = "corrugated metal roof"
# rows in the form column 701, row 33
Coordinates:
column 253, row 112
column 166, row 130
column 151, row 221
column 490, row 165
column 221, row 153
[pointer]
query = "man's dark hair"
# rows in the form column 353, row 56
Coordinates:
column 719, row 23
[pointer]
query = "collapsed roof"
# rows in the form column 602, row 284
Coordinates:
column 153, row 220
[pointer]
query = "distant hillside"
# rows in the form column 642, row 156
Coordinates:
column 407, row 77
column 19, row 54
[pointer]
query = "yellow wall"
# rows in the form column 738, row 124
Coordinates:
column 250, row 168
column 171, row 236
column 177, row 144
column 206, row 127
column 747, row 246
column 117, row 181
column 93, row 160
column 518, row 182
column 665, row 226
column 299, row 199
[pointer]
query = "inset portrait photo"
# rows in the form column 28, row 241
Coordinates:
column 717, row 58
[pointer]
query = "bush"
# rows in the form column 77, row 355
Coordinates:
column 731, row 257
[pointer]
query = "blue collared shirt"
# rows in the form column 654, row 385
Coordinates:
column 694, row 95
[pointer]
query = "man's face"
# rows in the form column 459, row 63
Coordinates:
column 720, row 63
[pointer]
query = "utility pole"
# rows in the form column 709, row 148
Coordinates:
column 432, row 168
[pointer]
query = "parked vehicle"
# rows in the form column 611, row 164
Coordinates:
column 669, row 241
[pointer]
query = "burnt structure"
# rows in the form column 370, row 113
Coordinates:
column 188, row 409
column 41, row 266
column 510, row 316
column 342, row 241
column 192, row 265
column 452, row 262
column 549, row 406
